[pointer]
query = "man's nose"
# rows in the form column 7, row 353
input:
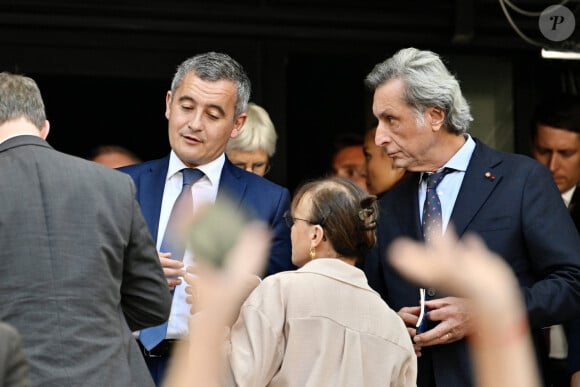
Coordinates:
column 553, row 161
column 194, row 121
column 382, row 135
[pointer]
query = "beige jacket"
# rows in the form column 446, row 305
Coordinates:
column 321, row 325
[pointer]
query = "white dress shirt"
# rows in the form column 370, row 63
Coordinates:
column 204, row 191
column 567, row 196
column 449, row 187
column 558, row 342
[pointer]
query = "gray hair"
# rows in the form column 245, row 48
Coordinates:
column 20, row 97
column 428, row 83
column 213, row 67
column 258, row 132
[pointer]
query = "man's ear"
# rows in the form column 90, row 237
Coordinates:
column 238, row 124
column 45, row 129
column 436, row 117
column 168, row 98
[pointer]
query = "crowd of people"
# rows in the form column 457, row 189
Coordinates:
column 424, row 258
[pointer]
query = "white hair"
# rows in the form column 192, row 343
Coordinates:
column 427, row 83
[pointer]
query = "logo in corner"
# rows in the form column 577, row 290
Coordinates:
column 557, row 23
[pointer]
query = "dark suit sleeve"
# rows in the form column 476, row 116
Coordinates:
column 373, row 268
column 554, row 248
column 573, row 327
column 14, row 368
column 573, row 337
column 281, row 252
column 145, row 296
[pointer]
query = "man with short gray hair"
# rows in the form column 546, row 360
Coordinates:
column 205, row 107
column 459, row 182
column 79, row 268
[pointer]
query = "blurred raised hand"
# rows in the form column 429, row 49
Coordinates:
column 488, row 301
column 216, row 295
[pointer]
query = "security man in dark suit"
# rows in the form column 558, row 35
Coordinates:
column 555, row 135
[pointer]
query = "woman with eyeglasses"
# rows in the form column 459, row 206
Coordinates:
column 253, row 148
column 322, row 325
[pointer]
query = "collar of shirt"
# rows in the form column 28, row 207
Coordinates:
column 449, row 187
column 337, row 269
column 212, row 170
column 15, row 135
column 203, row 191
column 567, row 196
column 460, row 160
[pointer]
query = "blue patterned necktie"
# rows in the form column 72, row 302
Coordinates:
column 174, row 243
column 432, row 218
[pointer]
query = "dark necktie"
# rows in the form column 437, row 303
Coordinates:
column 181, row 213
column 174, row 242
column 432, row 222
column 432, row 219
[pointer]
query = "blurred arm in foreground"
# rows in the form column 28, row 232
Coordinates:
column 216, row 296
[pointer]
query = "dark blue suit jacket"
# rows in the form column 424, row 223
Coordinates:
column 519, row 213
column 573, row 328
column 262, row 198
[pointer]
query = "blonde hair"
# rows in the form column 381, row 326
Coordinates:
column 258, row 132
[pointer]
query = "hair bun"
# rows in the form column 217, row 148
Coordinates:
column 367, row 213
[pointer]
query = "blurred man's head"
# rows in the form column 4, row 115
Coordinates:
column 381, row 174
column 556, row 139
column 348, row 159
column 114, row 156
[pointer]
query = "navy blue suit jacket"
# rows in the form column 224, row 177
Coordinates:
column 573, row 328
column 260, row 197
column 520, row 215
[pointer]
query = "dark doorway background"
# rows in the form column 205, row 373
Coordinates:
column 104, row 66
column 89, row 111
column 326, row 97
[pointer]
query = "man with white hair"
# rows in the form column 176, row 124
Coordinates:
column 457, row 180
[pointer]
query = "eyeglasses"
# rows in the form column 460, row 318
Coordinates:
column 260, row 168
column 290, row 220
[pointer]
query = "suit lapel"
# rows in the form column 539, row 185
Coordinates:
column 574, row 207
column 575, row 201
column 151, row 186
column 232, row 184
column 479, row 181
column 408, row 207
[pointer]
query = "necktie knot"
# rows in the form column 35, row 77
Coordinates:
column 191, row 175
column 433, row 179
column 432, row 215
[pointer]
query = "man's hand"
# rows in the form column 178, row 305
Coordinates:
column 410, row 316
column 172, row 269
column 456, row 316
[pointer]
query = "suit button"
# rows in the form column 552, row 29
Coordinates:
column 431, row 292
